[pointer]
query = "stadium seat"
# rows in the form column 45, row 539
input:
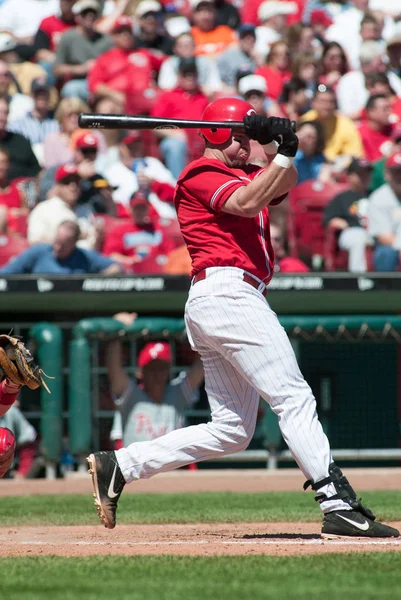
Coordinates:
column 306, row 233
column 336, row 259
column 11, row 246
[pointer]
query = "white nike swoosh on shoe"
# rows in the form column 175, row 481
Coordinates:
column 362, row 526
column 110, row 492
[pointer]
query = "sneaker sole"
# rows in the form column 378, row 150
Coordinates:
column 91, row 460
column 337, row 536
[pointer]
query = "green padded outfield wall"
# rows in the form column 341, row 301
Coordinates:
column 356, row 387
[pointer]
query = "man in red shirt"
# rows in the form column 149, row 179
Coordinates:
column 50, row 31
column 140, row 245
column 186, row 101
column 44, row 46
column 375, row 127
column 223, row 209
column 125, row 74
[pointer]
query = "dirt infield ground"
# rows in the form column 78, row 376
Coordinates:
column 282, row 539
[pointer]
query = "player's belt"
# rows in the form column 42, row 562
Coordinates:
column 255, row 283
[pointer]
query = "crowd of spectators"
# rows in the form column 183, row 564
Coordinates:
column 82, row 201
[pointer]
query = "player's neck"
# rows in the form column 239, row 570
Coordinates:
column 214, row 153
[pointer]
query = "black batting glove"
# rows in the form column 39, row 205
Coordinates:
column 258, row 128
column 279, row 127
column 289, row 144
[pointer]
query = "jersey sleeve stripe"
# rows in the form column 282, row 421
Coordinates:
column 220, row 189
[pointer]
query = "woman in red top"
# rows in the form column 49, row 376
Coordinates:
column 12, row 199
column 333, row 64
column 277, row 69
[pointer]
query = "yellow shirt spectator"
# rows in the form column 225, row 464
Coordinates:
column 341, row 135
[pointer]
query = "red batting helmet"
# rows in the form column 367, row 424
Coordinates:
column 224, row 109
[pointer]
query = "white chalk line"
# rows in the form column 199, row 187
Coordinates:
column 314, row 542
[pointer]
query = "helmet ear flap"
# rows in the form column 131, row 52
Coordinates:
column 216, row 136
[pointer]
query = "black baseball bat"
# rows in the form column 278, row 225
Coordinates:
column 101, row 121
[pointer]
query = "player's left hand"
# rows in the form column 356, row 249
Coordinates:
column 257, row 127
column 266, row 129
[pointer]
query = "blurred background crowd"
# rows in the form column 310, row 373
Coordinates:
column 80, row 201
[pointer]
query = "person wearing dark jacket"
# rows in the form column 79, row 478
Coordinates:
column 22, row 158
column 347, row 211
column 63, row 257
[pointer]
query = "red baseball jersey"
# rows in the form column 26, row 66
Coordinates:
column 376, row 144
column 215, row 238
column 54, row 27
column 11, row 197
column 130, row 72
column 178, row 104
column 131, row 240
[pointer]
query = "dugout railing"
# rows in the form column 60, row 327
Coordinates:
column 352, row 363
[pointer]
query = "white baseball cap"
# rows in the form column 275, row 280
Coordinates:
column 7, row 42
column 147, row 6
column 271, row 8
column 251, row 83
column 369, row 50
column 82, row 5
column 175, row 26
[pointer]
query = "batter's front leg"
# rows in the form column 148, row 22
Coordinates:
column 248, row 333
column 234, row 405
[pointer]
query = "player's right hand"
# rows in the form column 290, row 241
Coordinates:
column 289, row 144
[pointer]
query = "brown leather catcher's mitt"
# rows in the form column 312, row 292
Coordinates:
column 17, row 363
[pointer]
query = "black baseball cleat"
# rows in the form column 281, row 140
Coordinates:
column 108, row 483
column 351, row 523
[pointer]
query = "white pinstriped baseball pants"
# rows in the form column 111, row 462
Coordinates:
column 245, row 353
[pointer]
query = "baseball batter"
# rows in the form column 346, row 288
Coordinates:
column 222, row 204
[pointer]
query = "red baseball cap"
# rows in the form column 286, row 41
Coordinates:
column 66, row 171
column 154, row 351
column 87, row 140
column 138, row 197
column 123, row 22
column 394, row 161
column 134, row 136
column 320, row 17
